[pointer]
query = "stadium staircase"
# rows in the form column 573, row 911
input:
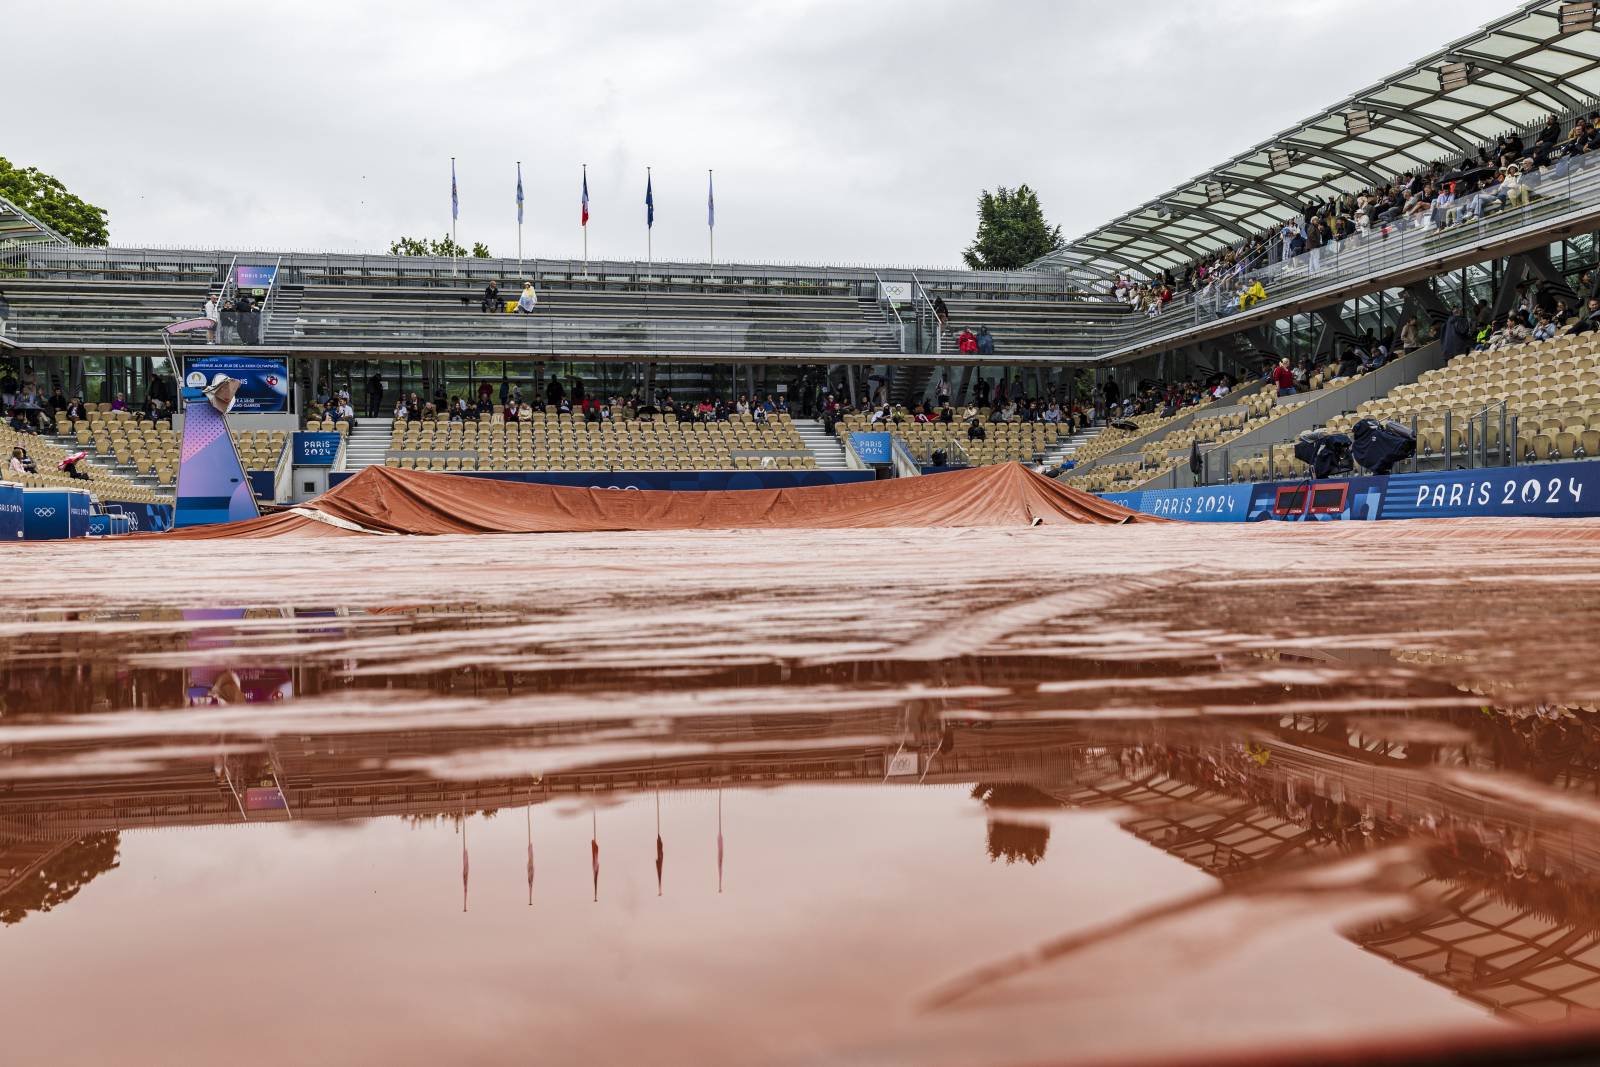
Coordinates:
column 824, row 447
column 367, row 444
column 282, row 314
column 1063, row 449
column 911, row 385
column 882, row 332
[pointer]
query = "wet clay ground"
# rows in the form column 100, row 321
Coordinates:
column 1050, row 795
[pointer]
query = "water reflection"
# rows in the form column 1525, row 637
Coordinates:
column 1401, row 795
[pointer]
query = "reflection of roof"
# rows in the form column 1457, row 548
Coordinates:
column 1519, row 69
column 17, row 225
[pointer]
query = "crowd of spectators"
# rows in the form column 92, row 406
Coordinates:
column 512, row 405
column 1507, row 173
column 28, row 410
column 1110, row 403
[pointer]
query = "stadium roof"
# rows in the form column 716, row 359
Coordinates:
column 1511, row 73
column 17, row 225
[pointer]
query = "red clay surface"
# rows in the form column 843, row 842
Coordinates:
column 1059, row 794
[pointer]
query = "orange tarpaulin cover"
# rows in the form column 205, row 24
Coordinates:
column 387, row 500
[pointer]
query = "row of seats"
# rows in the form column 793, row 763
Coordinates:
column 1004, row 442
column 549, row 441
column 1551, row 392
column 48, row 309
column 658, row 462
column 105, row 483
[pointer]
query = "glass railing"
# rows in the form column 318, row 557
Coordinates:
column 1571, row 186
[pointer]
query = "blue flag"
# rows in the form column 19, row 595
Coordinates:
column 711, row 204
column 649, row 203
column 455, row 204
column 519, row 194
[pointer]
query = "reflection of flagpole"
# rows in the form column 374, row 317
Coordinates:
column 661, row 853
column 464, row 865
column 719, row 839
column 594, row 851
column 530, row 851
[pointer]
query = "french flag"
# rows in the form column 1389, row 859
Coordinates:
column 585, row 221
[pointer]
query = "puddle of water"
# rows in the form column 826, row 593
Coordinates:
column 944, row 797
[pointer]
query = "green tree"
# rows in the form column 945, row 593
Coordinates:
column 443, row 247
column 46, row 199
column 1012, row 231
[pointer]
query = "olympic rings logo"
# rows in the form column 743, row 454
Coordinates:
column 44, row 513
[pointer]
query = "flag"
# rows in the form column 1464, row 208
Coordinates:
column 711, row 204
column 455, row 204
column 649, row 203
column 519, row 194
column 585, row 220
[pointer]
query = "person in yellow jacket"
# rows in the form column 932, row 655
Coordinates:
column 1253, row 295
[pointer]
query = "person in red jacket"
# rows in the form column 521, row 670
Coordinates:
column 1283, row 377
column 967, row 342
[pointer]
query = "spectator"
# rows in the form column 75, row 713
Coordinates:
column 985, row 342
column 1283, row 377
column 524, row 411
column 554, row 392
column 942, row 391
column 211, row 312
column 19, row 422
column 967, row 343
column 77, row 411
column 1591, row 319
column 510, row 412
column 120, row 403
column 374, row 394
column 975, row 430
column 69, row 466
column 528, row 300
column 57, row 401
column 941, row 313
column 491, row 298
column 21, row 462
column 1544, row 328
column 8, row 390
column 402, row 411
column 343, row 412
column 1457, row 337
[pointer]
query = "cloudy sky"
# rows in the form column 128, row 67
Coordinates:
column 840, row 130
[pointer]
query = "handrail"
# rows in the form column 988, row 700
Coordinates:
column 934, row 326
column 891, row 311
column 272, row 292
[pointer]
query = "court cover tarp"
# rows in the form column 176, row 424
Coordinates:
column 388, row 500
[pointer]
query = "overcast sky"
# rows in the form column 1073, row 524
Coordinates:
column 840, row 130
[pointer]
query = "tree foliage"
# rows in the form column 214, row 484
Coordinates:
column 46, row 199
column 1012, row 231
column 444, row 247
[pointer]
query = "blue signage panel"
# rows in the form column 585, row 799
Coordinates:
column 265, row 388
column 1220, row 503
column 1545, row 490
column 55, row 514
column 143, row 518
column 315, row 448
column 11, row 523
column 254, row 280
column 872, row 447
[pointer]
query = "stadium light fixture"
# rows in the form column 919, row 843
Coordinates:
column 1578, row 16
column 1453, row 76
column 1214, row 192
column 1357, row 122
column 1281, row 159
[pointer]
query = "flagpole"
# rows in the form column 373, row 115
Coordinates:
column 649, row 233
column 519, row 216
column 711, row 236
column 453, row 212
column 586, row 221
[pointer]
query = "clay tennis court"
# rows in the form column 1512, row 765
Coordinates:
column 895, row 794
